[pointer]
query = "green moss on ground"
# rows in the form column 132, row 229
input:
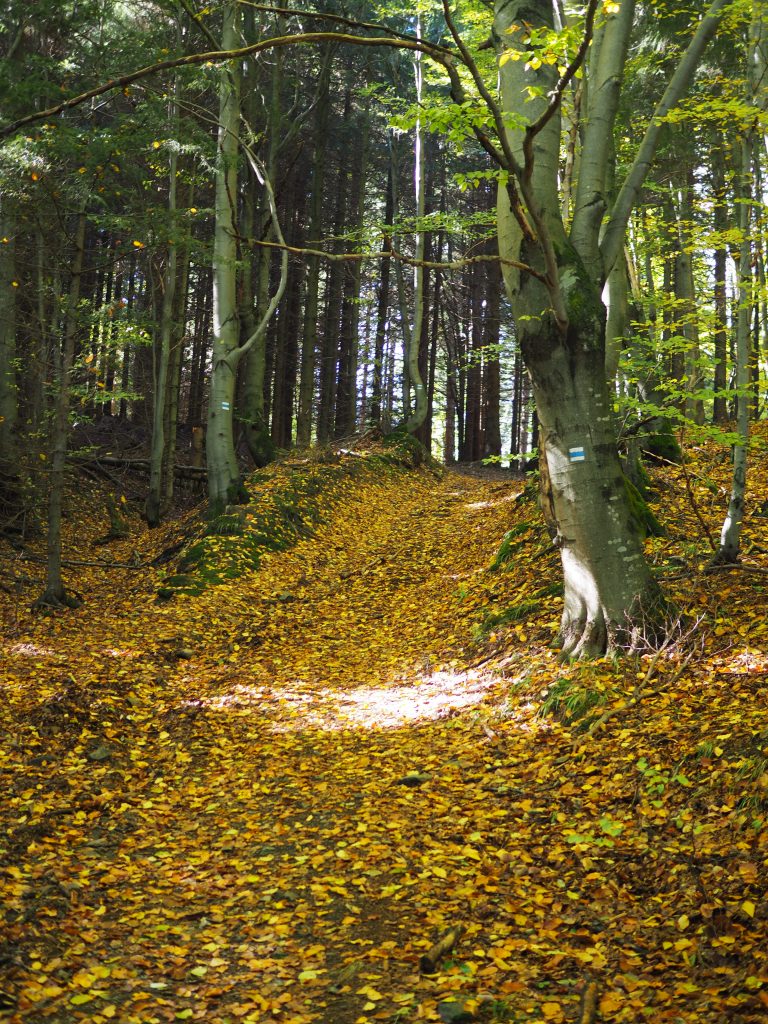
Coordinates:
column 286, row 503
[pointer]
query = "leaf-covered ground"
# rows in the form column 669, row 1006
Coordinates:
column 266, row 802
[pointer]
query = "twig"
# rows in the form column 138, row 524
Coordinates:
column 588, row 1005
column 650, row 672
column 446, row 942
column 70, row 563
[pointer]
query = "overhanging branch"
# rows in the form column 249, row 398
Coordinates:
column 392, row 253
column 436, row 53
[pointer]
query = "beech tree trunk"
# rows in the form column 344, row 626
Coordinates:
column 223, row 472
column 608, row 587
column 309, row 341
column 555, row 291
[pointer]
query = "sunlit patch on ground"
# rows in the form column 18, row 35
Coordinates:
column 430, row 696
column 503, row 499
column 31, row 651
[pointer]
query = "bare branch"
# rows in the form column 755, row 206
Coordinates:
column 557, row 93
column 392, row 253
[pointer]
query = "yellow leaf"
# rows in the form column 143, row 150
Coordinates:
column 308, row 975
column 748, row 907
column 610, row 1002
column 683, row 922
column 369, row 992
column 552, row 1011
column 138, row 245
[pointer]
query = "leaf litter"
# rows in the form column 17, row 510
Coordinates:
column 275, row 799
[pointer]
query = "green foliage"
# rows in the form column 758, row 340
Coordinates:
column 511, row 544
column 571, row 700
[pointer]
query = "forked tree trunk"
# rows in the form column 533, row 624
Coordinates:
column 555, row 295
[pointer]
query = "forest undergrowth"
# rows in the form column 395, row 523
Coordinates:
column 351, row 782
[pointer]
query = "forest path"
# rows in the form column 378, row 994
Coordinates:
column 265, row 803
column 227, row 836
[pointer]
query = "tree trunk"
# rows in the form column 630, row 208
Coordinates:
column 720, row 259
column 471, row 449
column 608, row 587
column 561, row 330
column 730, row 535
column 8, row 388
column 309, row 340
column 162, row 346
column 333, row 302
column 346, row 392
column 491, row 431
column 382, row 306
column 55, row 594
column 418, row 414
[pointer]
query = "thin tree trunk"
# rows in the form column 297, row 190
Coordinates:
column 55, row 594
column 309, row 341
column 730, row 535
column 720, row 258
column 491, row 371
column 382, row 306
column 163, row 345
column 8, row 387
column 415, row 375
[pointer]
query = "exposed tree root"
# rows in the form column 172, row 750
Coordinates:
column 57, row 600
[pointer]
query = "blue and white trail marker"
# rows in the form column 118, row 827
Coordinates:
column 576, row 455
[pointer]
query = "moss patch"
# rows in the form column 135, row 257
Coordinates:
column 286, row 502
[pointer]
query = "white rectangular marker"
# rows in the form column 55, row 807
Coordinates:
column 576, row 455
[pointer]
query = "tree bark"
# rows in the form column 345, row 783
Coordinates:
column 8, row 386
column 309, row 340
column 55, row 594
column 720, row 259
column 561, row 331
